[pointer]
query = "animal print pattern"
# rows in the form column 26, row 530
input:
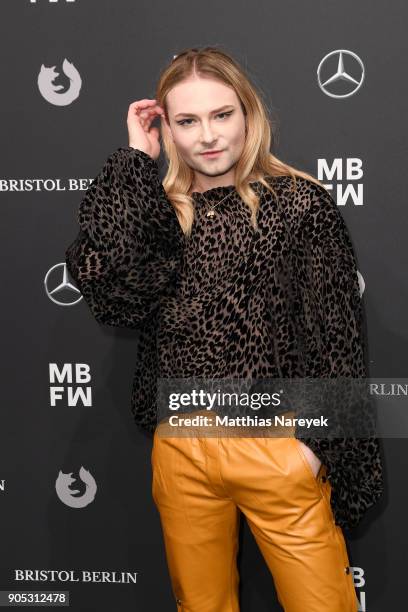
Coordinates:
column 229, row 301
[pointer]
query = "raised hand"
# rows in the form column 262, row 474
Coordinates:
column 141, row 135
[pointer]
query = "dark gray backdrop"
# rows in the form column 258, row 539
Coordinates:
column 118, row 48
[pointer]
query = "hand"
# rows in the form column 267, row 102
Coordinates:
column 314, row 461
column 141, row 136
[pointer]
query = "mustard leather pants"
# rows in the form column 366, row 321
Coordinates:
column 200, row 485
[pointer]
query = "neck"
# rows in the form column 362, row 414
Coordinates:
column 203, row 182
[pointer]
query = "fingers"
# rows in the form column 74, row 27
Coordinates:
column 145, row 110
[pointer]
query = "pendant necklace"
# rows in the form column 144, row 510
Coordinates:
column 211, row 213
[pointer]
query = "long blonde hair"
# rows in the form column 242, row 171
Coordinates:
column 256, row 160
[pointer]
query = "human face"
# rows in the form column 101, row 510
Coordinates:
column 206, row 115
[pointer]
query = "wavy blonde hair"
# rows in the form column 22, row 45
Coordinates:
column 256, row 160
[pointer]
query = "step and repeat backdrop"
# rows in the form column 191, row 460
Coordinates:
column 78, row 525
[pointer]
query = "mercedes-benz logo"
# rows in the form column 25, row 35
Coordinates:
column 333, row 78
column 60, row 287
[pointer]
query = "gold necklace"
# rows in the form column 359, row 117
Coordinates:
column 211, row 213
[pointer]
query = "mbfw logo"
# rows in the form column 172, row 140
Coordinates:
column 347, row 174
column 339, row 170
column 72, row 381
column 52, row 92
column 59, row 288
column 340, row 74
column 70, row 496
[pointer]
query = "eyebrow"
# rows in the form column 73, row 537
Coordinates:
column 217, row 110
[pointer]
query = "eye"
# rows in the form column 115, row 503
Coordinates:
column 184, row 121
column 226, row 113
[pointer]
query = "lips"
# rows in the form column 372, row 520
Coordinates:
column 211, row 153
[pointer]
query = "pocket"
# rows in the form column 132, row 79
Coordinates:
column 314, row 479
column 306, row 458
column 319, row 482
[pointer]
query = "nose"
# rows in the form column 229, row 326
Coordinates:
column 207, row 135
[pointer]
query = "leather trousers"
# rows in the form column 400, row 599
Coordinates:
column 201, row 485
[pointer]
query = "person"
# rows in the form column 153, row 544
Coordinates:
column 236, row 265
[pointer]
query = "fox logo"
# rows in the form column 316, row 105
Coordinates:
column 50, row 91
column 67, row 495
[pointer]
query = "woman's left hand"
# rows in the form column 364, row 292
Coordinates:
column 314, row 461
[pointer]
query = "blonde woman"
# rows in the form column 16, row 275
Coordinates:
column 200, row 263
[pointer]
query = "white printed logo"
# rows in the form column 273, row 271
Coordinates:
column 61, row 286
column 334, row 79
column 72, row 383
column 51, row 92
column 68, row 496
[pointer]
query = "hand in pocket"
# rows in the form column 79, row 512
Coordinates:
column 314, row 461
